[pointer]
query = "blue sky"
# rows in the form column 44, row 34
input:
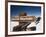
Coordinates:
column 30, row 10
